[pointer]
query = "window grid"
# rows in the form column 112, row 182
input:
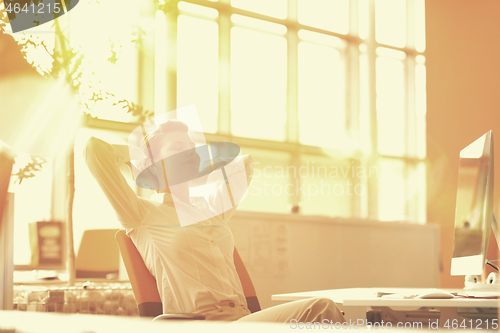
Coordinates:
column 351, row 58
column 362, row 206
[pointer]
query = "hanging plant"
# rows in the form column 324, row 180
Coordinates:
column 28, row 171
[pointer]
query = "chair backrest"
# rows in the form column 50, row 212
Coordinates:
column 144, row 284
column 97, row 257
column 246, row 283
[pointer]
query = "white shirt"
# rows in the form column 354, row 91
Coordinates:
column 193, row 265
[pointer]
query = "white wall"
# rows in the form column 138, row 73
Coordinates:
column 291, row 253
column 463, row 103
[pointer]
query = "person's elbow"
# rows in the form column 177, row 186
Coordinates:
column 91, row 151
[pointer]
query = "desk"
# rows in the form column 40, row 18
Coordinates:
column 43, row 322
column 356, row 302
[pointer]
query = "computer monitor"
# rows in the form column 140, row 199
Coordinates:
column 474, row 207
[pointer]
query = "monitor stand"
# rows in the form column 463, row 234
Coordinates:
column 486, row 285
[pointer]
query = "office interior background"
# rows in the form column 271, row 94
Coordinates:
column 354, row 112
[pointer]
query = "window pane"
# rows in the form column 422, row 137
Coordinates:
column 326, row 186
column 186, row 7
column 325, row 14
column 322, row 119
column 391, row 190
column 160, row 49
column 276, row 8
column 365, row 175
column 402, row 196
column 420, row 109
column 363, row 18
column 420, row 25
column 258, row 84
column 197, row 68
column 390, row 22
column 32, row 203
column 272, row 188
column 416, row 183
column 110, row 60
column 364, row 103
column 391, row 113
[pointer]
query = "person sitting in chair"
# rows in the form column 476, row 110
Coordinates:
column 192, row 263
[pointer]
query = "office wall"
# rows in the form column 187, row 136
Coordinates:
column 292, row 253
column 463, row 102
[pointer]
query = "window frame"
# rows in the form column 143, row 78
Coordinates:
column 367, row 207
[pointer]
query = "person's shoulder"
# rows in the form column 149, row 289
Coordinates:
column 95, row 145
column 153, row 208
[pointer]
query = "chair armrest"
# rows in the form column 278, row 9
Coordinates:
column 253, row 304
column 150, row 309
column 180, row 316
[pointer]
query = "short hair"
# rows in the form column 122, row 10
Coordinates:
column 160, row 130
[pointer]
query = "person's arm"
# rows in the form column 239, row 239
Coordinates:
column 103, row 161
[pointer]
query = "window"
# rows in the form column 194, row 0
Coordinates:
column 107, row 59
column 335, row 89
column 328, row 96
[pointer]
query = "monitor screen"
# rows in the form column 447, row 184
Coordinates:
column 473, row 207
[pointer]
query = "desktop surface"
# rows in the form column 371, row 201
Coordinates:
column 357, row 303
column 368, row 297
column 43, row 322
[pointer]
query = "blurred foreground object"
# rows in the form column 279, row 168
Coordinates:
column 46, row 242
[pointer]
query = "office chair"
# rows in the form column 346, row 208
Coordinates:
column 144, row 284
column 95, row 258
